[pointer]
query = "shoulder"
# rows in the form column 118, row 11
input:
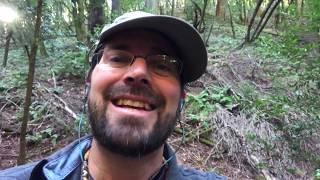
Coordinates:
column 18, row 172
column 193, row 174
column 57, row 166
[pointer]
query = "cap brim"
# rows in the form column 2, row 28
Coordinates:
column 188, row 41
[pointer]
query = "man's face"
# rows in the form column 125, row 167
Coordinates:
column 133, row 110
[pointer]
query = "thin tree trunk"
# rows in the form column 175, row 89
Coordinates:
column 6, row 51
column 95, row 17
column 202, row 18
column 32, row 59
column 277, row 17
column 172, row 7
column 248, row 37
column 262, row 17
column 220, row 8
column 259, row 30
column 42, row 48
column 299, row 5
column 244, row 8
column 208, row 37
column 239, row 6
column 231, row 21
column 115, row 8
column 78, row 19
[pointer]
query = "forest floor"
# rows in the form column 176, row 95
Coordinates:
column 53, row 134
column 58, row 128
column 58, row 104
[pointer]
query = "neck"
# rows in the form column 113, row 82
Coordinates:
column 104, row 165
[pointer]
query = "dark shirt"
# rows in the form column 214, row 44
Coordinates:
column 67, row 163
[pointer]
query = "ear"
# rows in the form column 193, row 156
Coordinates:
column 183, row 94
column 88, row 77
column 182, row 100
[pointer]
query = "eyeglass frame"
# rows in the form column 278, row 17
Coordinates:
column 96, row 58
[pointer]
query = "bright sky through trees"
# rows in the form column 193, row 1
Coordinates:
column 7, row 14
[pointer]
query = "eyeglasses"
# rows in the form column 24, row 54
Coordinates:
column 161, row 64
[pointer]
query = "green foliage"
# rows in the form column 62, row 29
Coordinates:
column 39, row 110
column 313, row 14
column 317, row 174
column 293, row 105
column 41, row 135
column 14, row 78
column 72, row 63
column 201, row 105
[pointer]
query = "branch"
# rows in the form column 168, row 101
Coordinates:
column 62, row 104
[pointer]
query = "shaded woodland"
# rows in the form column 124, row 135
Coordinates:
column 254, row 114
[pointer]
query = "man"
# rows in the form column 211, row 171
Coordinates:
column 136, row 92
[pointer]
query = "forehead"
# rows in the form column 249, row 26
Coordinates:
column 139, row 39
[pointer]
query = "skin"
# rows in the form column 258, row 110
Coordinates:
column 103, row 163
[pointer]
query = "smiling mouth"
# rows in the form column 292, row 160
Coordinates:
column 128, row 103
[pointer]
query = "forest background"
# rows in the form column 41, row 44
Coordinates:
column 254, row 114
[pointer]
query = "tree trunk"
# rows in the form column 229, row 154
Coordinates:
column 248, row 37
column 299, row 6
column 272, row 5
column 202, row 20
column 263, row 15
column 173, row 2
column 244, row 8
column 6, row 51
column 115, row 8
column 32, row 59
column 42, row 48
column 231, row 22
column 271, row 10
column 220, row 8
column 79, row 19
column 150, row 5
column 240, row 7
column 277, row 16
column 199, row 16
column 96, row 14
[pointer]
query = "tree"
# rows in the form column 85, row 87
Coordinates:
column 199, row 15
column 231, row 21
column 266, row 14
column 173, row 2
column 299, row 6
column 32, row 59
column 6, row 51
column 79, row 19
column 220, row 8
column 96, row 14
column 150, row 5
column 115, row 8
column 242, row 11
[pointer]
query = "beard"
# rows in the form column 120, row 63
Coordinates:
column 127, row 136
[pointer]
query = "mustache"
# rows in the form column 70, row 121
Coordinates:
column 147, row 92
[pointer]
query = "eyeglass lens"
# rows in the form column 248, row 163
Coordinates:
column 162, row 65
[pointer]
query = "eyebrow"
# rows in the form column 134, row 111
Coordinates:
column 119, row 47
column 154, row 49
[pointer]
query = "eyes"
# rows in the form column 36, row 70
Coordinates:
column 162, row 65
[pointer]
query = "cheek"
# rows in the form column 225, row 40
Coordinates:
column 172, row 93
column 103, row 77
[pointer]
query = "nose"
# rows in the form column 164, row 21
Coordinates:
column 138, row 73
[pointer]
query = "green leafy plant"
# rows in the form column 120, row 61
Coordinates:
column 13, row 78
column 317, row 174
column 43, row 134
column 199, row 106
column 72, row 63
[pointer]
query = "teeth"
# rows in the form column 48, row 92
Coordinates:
column 147, row 106
column 138, row 104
